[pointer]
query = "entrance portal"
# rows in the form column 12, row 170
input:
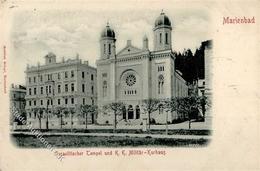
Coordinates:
column 130, row 112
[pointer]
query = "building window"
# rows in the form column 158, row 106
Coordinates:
column 29, row 79
column 160, row 68
column 104, row 48
column 72, row 100
column 41, row 102
column 30, row 91
column 58, row 101
column 160, row 38
column 46, row 89
column 66, row 88
column 130, row 80
column 166, row 38
column 58, row 76
column 72, row 74
column 104, row 75
column 104, row 89
column 137, row 111
column 92, row 89
column 34, row 79
column 49, row 77
column 92, row 77
column 41, row 90
column 59, row 89
column 34, row 102
column 48, row 102
column 66, row 74
column 130, row 112
column 66, row 101
column 124, row 112
column 92, row 101
column 83, row 101
column 83, row 88
column 72, row 87
column 83, row 74
column 50, row 89
column 40, row 78
column 160, row 84
column 34, row 91
column 30, row 103
column 109, row 49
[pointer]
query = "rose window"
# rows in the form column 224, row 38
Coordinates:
column 130, row 80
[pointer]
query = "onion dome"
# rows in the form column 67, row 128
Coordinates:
column 162, row 20
column 108, row 32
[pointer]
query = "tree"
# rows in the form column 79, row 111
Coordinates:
column 149, row 106
column 188, row 107
column 169, row 105
column 72, row 111
column 59, row 112
column 116, row 108
column 88, row 109
column 39, row 113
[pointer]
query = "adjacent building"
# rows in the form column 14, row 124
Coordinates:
column 205, row 85
column 66, row 84
column 134, row 74
column 17, row 100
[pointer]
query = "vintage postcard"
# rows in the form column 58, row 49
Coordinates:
column 129, row 85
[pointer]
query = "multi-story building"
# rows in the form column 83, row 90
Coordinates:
column 17, row 100
column 205, row 85
column 66, row 84
column 134, row 74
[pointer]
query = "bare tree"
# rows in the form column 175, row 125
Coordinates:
column 72, row 111
column 39, row 113
column 59, row 112
column 188, row 106
column 149, row 106
column 116, row 108
column 88, row 109
column 169, row 105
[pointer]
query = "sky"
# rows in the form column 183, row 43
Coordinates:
column 66, row 33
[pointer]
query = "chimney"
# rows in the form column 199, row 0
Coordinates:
column 128, row 43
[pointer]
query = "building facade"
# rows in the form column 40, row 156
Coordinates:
column 134, row 74
column 17, row 100
column 66, row 84
column 205, row 85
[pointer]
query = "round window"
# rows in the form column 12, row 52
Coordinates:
column 130, row 80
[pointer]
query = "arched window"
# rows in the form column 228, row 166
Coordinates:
column 130, row 112
column 166, row 38
column 109, row 49
column 137, row 111
column 160, row 38
column 160, row 84
column 104, row 88
column 124, row 113
column 104, row 48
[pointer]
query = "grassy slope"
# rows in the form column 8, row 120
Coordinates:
column 30, row 141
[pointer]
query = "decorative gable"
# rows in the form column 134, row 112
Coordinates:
column 129, row 49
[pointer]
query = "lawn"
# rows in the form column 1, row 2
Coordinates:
column 30, row 141
column 129, row 131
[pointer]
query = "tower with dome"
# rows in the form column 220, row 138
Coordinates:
column 134, row 74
